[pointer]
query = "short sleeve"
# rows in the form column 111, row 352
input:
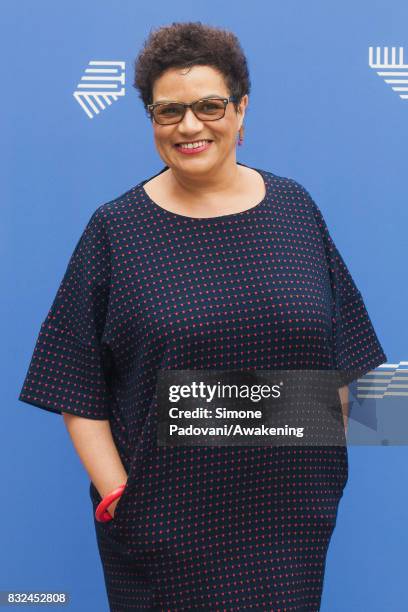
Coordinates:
column 355, row 346
column 69, row 368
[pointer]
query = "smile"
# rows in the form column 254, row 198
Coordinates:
column 193, row 147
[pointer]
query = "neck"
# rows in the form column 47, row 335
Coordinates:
column 221, row 180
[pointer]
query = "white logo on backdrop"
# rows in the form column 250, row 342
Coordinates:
column 386, row 57
column 102, row 82
column 386, row 380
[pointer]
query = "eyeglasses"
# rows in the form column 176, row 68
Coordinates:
column 205, row 109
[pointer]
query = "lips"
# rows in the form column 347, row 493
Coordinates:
column 194, row 150
column 178, row 144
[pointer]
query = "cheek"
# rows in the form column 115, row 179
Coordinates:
column 223, row 135
column 161, row 138
column 158, row 136
column 229, row 130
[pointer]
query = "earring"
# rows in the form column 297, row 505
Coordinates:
column 241, row 135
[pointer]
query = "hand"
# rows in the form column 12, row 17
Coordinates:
column 110, row 486
column 112, row 507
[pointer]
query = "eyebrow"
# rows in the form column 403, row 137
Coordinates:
column 202, row 98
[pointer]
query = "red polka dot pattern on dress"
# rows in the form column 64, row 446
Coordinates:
column 205, row 528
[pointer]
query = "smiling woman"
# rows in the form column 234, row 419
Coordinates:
column 209, row 264
column 195, row 124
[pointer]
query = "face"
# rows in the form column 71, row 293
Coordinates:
column 189, row 85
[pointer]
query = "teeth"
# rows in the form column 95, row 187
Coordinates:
column 194, row 145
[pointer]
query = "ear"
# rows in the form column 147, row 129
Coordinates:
column 242, row 107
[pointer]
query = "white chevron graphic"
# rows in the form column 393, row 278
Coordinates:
column 389, row 379
column 394, row 67
column 99, row 85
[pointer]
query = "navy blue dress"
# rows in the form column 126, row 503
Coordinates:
column 205, row 527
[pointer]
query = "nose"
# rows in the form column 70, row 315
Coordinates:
column 190, row 121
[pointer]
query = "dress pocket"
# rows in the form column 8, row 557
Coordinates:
column 122, row 501
column 110, row 533
column 116, row 530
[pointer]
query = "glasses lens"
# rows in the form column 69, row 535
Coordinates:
column 168, row 113
column 210, row 109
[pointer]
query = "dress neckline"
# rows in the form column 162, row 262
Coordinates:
column 218, row 218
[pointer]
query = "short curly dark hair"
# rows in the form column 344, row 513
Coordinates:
column 188, row 43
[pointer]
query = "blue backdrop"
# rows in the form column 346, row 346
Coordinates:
column 317, row 113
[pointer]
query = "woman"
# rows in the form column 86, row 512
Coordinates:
column 209, row 264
